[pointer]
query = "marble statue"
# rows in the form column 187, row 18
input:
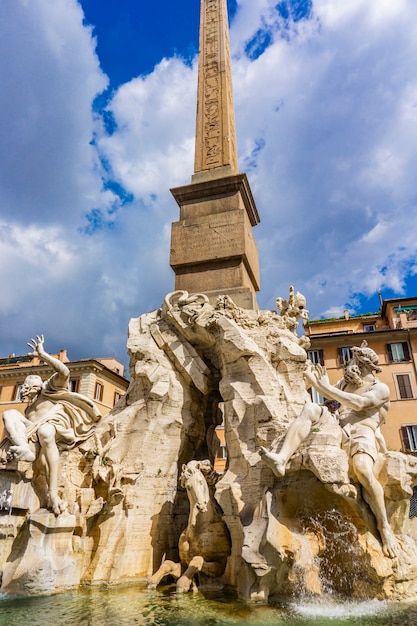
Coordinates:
column 310, row 499
column 364, row 403
column 293, row 309
column 205, row 543
column 55, row 418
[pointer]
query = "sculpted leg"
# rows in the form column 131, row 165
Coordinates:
column 185, row 582
column 46, row 434
column 167, row 568
column 373, row 493
column 15, row 426
column 297, row 432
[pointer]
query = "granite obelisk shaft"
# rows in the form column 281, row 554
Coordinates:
column 212, row 246
column 215, row 129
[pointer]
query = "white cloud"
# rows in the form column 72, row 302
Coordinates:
column 49, row 75
column 49, row 174
column 327, row 131
column 335, row 106
column 153, row 145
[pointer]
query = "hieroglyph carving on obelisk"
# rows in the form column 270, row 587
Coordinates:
column 212, row 245
column 216, row 135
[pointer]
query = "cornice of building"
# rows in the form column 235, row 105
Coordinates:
column 359, row 336
column 75, row 367
column 343, row 318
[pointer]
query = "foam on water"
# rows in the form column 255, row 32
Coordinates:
column 335, row 610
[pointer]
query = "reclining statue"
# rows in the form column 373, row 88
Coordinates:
column 55, row 417
column 364, row 402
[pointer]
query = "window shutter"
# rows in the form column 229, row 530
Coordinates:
column 404, row 438
column 389, row 350
column 404, row 386
column 413, row 503
column 340, row 356
column 406, row 351
column 321, row 356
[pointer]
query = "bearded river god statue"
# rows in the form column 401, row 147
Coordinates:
column 311, row 500
column 55, row 418
column 364, row 403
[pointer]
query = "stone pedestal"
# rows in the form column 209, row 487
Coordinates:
column 212, row 246
column 16, row 489
column 42, row 559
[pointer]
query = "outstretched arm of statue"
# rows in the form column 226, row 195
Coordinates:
column 37, row 346
column 318, row 378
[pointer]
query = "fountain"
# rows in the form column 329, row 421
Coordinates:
column 311, row 506
column 308, row 530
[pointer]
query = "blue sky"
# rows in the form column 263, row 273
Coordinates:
column 98, row 119
column 132, row 37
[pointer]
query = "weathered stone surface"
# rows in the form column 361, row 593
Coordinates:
column 193, row 364
column 18, row 489
column 42, row 559
column 213, row 244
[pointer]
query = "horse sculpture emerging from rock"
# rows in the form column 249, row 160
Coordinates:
column 205, row 544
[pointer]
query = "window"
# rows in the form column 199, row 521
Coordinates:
column 398, row 352
column 345, row 356
column 409, row 437
column 222, row 453
column 117, row 396
column 404, row 386
column 368, row 328
column 316, row 396
column 17, row 390
column 74, row 384
column 316, row 357
column 98, row 392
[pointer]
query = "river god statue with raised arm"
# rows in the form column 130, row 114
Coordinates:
column 55, row 419
column 364, row 402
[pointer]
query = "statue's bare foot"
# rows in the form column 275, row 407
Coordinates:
column 55, row 504
column 22, row 453
column 276, row 463
column 390, row 545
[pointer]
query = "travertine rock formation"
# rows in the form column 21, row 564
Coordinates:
column 190, row 361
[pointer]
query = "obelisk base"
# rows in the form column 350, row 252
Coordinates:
column 212, row 246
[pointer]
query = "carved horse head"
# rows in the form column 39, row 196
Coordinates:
column 195, row 478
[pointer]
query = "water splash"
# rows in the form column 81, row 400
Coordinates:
column 342, row 565
column 6, row 500
column 325, row 608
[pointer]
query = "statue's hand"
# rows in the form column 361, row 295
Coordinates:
column 321, row 376
column 36, row 346
column 316, row 375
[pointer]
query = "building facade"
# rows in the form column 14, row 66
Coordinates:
column 100, row 379
column 392, row 334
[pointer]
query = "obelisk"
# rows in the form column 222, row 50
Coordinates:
column 212, row 246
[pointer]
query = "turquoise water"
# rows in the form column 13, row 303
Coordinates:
column 135, row 605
